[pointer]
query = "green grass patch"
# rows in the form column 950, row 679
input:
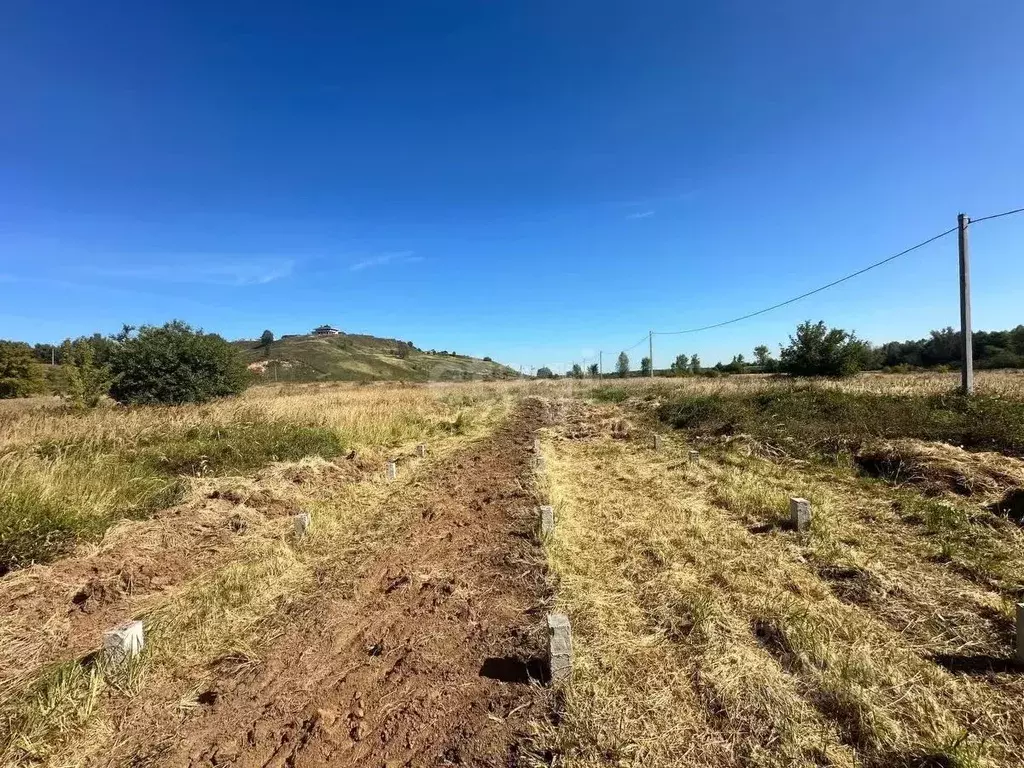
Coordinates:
column 58, row 494
column 814, row 419
column 235, row 448
column 609, row 394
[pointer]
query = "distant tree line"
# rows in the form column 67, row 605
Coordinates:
column 817, row 350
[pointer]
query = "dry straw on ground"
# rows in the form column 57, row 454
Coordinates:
column 708, row 634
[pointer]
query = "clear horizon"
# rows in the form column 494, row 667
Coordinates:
column 532, row 183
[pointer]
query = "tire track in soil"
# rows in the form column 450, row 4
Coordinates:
column 394, row 675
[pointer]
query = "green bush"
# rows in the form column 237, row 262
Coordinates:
column 174, row 364
column 21, row 374
column 816, row 350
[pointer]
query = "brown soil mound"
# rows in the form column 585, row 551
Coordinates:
column 431, row 661
column 939, row 468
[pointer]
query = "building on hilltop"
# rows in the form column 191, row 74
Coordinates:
column 326, row 330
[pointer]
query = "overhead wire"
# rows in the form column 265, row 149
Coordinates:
column 997, row 215
column 850, row 276
column 825, row 287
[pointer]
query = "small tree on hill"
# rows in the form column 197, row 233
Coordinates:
column 816, row 350
column 21, row 374
column 622, row 365
column 545, row 373
column 266, row 338
column 173, row 364
column 85, row 382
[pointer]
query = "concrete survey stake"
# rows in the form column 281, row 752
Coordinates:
column 301, row 522
column 421, row 450
column 657, row 442
column 694, row 457
column 559, row 647
column 123, row 643
column 546, row 514
column 391, row 471
column 800, row 513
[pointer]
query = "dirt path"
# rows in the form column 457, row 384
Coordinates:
column 427, row 663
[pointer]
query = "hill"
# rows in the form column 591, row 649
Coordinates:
column 355, row 357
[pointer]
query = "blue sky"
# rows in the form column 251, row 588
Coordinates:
column 534, row 181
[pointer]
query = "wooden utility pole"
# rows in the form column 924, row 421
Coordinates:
column 650, row 350
column 966, row 339
column 600, row 365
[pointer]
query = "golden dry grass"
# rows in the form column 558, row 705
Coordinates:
column 67, row 713
column 707, row 634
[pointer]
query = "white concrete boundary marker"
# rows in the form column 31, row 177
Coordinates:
column 421, row 450
column 559, row 647
column 538, row 464
column 657, row 442
column 123, row 643
column 391, row 471
column 302, row 521
column 800, row 513
column 547, row 520
column 694, row 457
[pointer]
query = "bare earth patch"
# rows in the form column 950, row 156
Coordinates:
column 428, row 660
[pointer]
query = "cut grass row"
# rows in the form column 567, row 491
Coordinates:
column 701, row 642
column 221, row 623
column 66, row 477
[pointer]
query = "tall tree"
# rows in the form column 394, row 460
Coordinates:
column 680, row 365
column 695, row 364
column 622, row 365
column 577, row 371
column 593, row 370
column 645, row 366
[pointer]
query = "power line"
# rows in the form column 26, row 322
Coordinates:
column 811, row 293
column 629, row 349
column 997, row 215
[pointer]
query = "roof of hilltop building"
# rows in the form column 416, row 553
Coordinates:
column 325, row 330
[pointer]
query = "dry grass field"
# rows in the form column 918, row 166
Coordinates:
column 406, row 627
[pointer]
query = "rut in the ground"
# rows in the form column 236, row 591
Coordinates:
column 425, row 665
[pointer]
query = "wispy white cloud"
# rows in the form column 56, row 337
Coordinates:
column 386, row 258
column 210, row 270
column 641, row 215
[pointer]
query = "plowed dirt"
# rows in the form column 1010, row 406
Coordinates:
column 431, row 661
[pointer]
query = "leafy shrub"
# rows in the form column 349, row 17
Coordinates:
column 816, row 350
column 174, row 364
column 83, row 382
column 21, row 374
